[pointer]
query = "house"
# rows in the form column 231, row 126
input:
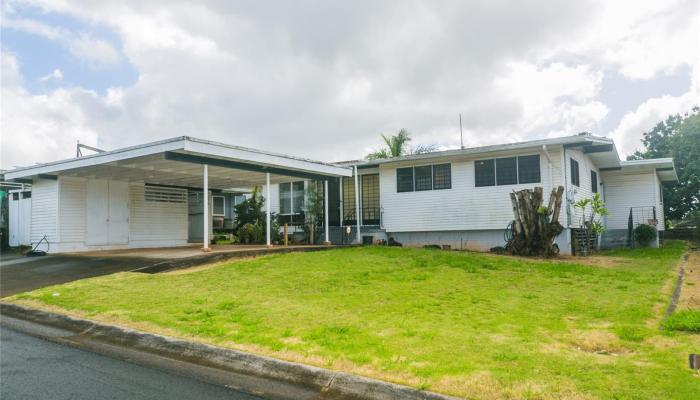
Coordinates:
column 152, row 195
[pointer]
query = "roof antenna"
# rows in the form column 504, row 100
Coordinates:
column 461, row 138
column 79, row 147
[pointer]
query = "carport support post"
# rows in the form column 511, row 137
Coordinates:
column 205, row 202
column 267, row 208
column 325, row 212
column 357, row 206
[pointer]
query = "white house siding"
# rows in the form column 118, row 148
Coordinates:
column 72, row 211
column 464, row 207
column 624, row 190
column 584, row 191
column 44, row 211
column 155, row 224
column 659, row 203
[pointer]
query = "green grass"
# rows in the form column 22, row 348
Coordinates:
column 685, row 320
column 467, row 324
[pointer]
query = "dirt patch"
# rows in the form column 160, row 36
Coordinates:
column 690, row 290
column 481, row 385
column 598, row 342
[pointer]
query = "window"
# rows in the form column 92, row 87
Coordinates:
column 349, row 213
column 529, row 169
column 442, row 176
column 506, row 171
column 594, row 182
column 424, row 177
column 575, row 179
column 404, row 179
column 217, row 205
column 15, row 196
column 291, row 197
column 485, row 172
column 26, row 195
column 298, row 197
column 370, row 199
column 285, row 198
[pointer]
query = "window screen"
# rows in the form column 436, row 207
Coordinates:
column 506, row 171
column 424, row 177
column 404, row 179
column 575, row 179
column 298, row 196
column 485, row 173
column 370, row 199
column 285, row 198
column 594, row 182
column 529, row 169
column 349, row 213
column 217, row 205
column 26, row 195
column 442, row 176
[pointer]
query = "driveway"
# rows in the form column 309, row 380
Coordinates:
column 20, row 274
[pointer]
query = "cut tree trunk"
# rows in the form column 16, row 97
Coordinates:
column 535, row 227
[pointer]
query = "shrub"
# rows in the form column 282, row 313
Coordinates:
column 644, row 234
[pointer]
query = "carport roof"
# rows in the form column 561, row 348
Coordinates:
column 178, row 162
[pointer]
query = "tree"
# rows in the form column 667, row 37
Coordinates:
column 314, row 209
column 678, row 137
column 397, row 145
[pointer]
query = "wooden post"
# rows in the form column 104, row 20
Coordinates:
column 286, row 238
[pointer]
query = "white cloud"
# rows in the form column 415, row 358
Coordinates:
column 323, row 79
column 56, row 74
column 39, row 127
column 83, row 46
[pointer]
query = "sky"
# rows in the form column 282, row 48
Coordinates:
column 323, row 79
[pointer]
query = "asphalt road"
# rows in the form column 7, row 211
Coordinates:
column 32, row 368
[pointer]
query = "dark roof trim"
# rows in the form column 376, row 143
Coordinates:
column 603, row 148
column 217, row 162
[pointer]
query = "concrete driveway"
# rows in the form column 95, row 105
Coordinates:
column 20, row 274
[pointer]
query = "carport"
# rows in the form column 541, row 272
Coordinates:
column 85, row 192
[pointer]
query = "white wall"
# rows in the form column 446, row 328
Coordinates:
column 584, row 190
column 625, row 190
column 72, row 211
column 464, row 206
column 44, row 211
column 155, row 224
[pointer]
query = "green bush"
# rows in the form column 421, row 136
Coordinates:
column 687, row 320
column 644, row 234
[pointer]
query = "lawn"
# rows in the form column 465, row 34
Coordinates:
column 460, row 323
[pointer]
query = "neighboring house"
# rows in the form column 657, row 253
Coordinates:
column 151, row 195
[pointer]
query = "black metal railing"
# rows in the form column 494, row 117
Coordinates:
column 639, row 216
column 370, row 216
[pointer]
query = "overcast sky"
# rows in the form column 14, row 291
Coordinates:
column 322, row 79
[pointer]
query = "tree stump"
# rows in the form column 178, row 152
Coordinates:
column 534, row 226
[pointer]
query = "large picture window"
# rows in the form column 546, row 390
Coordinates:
column 507, row 171
column 575, row 178
column 442, row 176
column 404, row 179
column 424, row 177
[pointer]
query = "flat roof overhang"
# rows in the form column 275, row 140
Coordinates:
column 179, row 162
column 663, row 167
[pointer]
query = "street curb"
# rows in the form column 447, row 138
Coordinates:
column 329, row 384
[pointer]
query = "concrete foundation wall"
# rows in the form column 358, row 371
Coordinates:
column 478, row 240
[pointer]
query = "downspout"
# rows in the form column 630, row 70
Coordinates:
column 549, row 164
column 357, row 207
